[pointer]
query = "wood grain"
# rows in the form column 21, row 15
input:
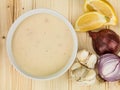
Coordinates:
column 6, row 15
column 10, row 10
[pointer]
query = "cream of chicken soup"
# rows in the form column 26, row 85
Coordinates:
column 42, row 45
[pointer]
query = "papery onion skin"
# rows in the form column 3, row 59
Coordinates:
column 105, row 41
column 113, row 71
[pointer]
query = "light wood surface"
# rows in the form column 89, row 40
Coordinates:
column 10, row 79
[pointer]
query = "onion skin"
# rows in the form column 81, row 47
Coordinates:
column 109, row 67
column 105, row 41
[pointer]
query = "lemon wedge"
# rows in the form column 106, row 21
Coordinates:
column 90, row 21
column 104, row 7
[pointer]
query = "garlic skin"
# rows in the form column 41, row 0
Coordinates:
column 75, row 66
column 87, row 83
column 86, row 58
column 83, row 75
column 89, row 79
column 82, row 55
column 92, row 61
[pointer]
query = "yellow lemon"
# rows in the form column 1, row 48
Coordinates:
column 104, row 7
column 90, row 21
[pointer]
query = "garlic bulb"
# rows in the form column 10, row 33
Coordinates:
column 89, row 79
column 86, row 58
column 83, row 75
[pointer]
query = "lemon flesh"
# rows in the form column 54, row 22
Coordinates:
column 104, row 7
column 90, row 21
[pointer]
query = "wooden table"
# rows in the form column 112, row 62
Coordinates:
column 10, row 79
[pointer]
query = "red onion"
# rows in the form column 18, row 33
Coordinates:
column 105, row 41
column 109, row 67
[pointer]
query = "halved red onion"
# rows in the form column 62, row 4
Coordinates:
column 109, row 67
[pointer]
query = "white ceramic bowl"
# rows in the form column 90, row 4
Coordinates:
column 16, row 24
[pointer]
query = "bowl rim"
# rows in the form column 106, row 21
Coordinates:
column 13, row 29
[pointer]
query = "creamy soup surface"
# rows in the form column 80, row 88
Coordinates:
column 42, row 44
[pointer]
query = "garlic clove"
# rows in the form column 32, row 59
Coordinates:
column 83, row 71
column 75, row 66
column 88, row 79
column 83, row 74
column 92, row 61
column 86, row 83
column 86, row 58
column 76, row 70
column 82, row 55
column 90, row 75
column 78, row 73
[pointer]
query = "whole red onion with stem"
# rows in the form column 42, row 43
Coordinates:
column 105, row 41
